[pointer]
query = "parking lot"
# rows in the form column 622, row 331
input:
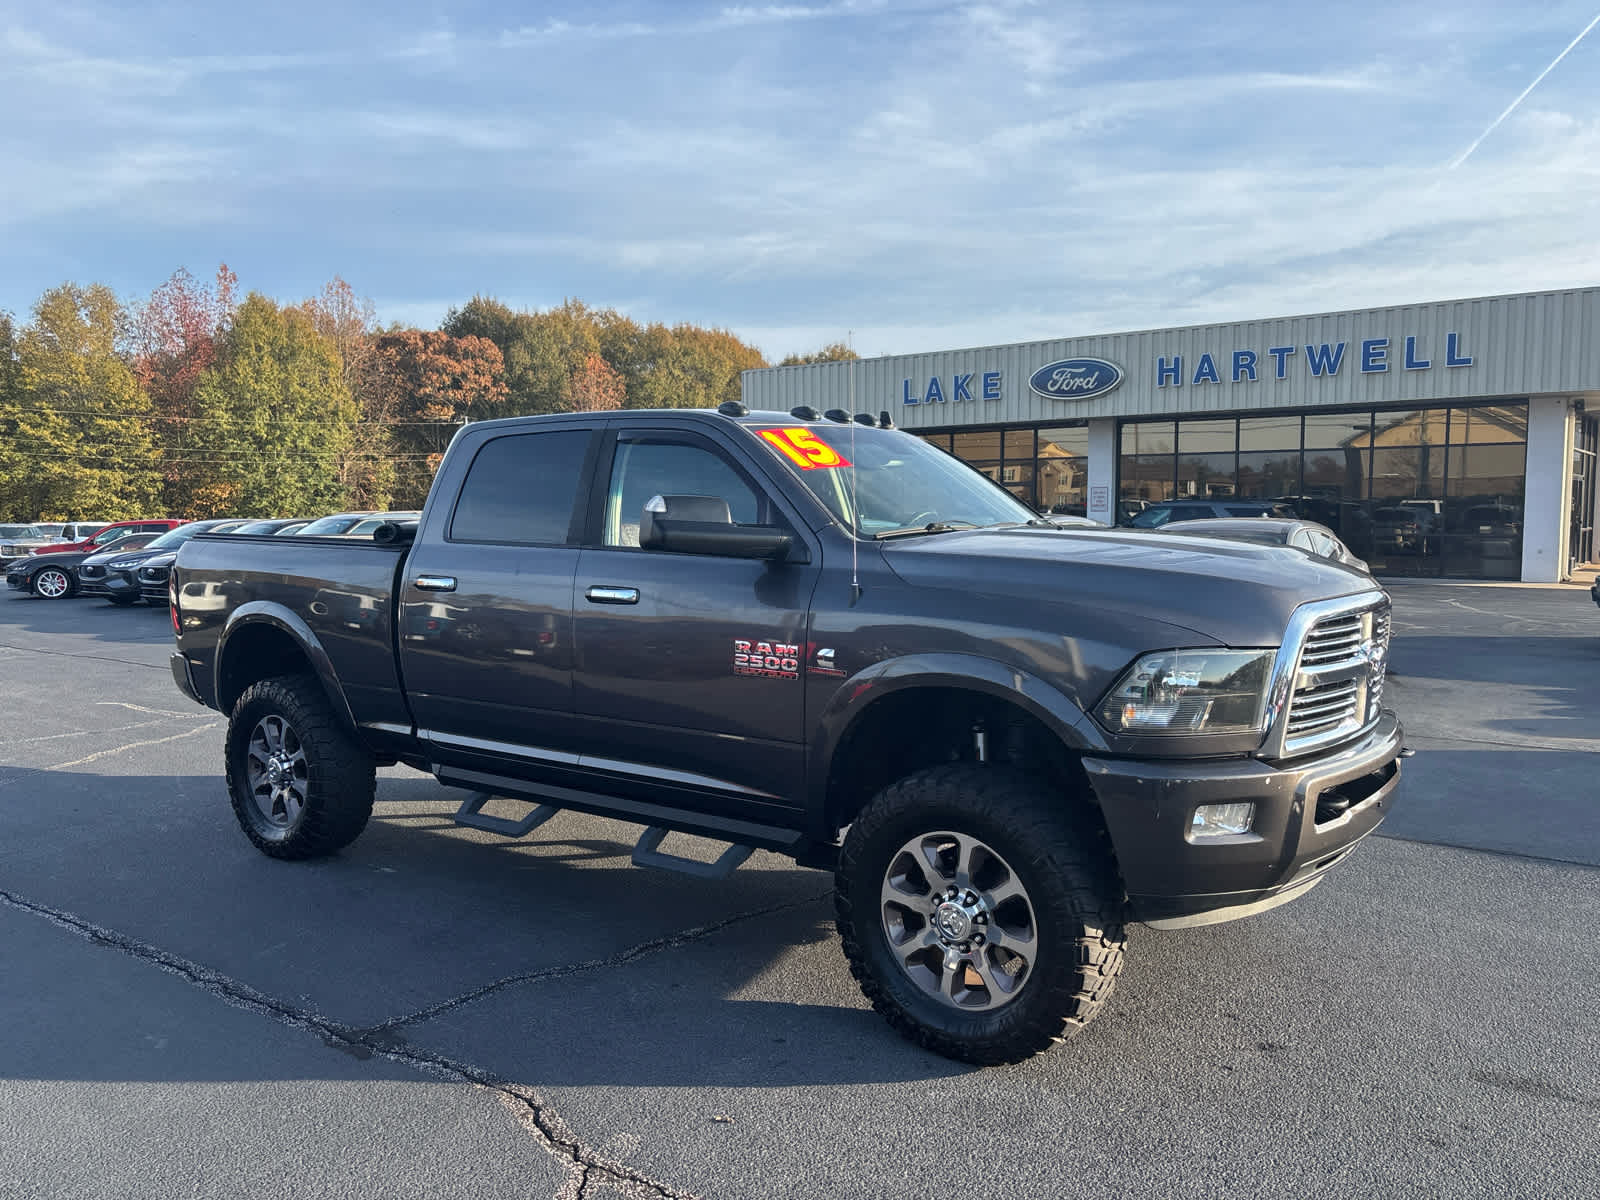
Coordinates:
column 439, row 1012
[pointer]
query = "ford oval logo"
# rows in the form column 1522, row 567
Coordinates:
column 1075, row 379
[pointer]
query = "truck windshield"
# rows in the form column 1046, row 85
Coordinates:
column 878, row 481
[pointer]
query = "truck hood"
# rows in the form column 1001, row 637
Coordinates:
column 1227, row 593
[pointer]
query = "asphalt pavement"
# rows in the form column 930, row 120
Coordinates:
column 439, row 1012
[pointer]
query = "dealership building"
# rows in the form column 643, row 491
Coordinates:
column 1453, row 439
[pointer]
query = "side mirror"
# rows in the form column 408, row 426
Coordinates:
column 704, row 525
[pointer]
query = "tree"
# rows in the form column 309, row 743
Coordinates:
column 278, row 416
column 832, row 352
column 419, row 387
column 595, row 387
column 174, row 340
column 347, row 321
column 74, row 436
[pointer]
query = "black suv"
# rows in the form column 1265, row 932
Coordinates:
column 1165, row 512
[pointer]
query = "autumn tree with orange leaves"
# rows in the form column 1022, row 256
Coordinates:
column 417, row 387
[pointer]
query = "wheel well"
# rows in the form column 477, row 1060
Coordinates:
column 254, row 653
column 923, row 727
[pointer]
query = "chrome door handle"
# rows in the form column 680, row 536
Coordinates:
column 612, row 595
column 435, row 583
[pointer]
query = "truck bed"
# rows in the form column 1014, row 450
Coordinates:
column 336, row 594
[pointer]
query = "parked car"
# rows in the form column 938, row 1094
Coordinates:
column 1314, row 539
column 364, row 528
column 55, row 576
column 19, row 541
column 273, row 526
column 110, row 533
column 335, row 524
column 1167, row 512
column 114, row 572
column 148, row 575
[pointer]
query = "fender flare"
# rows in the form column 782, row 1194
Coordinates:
column 1056, row 711
column 266, row 612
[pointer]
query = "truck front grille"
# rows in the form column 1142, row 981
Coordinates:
column 1338, row 683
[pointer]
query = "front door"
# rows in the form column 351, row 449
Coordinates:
column 689, row 670
column 486, row 607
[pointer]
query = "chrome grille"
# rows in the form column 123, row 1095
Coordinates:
column 1338, row 680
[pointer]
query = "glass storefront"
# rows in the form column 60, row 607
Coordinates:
column 1047, row 469
column 1434, row 491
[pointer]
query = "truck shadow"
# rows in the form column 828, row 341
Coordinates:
column 563, row 947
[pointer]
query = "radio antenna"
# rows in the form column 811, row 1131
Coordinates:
column 855, row 508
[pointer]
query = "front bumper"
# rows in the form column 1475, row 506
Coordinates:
column 1172, row 882
column 16, row 580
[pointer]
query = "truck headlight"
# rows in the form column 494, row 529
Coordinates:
column 1189, row 692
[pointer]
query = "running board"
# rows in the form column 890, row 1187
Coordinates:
column 648, row 854
column 472, row 815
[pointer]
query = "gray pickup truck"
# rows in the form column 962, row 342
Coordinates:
column 818, row 635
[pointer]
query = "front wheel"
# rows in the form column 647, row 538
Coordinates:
column 980, row 911
column 301, row 785
column 52, row 583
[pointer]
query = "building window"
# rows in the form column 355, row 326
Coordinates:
column 1434, row 491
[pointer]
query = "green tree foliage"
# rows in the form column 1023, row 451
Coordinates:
column 74, row 433
column 832, row 352
column 548, row 356
column 348, row 322
column 279, row 418
column 417, row 388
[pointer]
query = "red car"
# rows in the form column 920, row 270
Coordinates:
column 109, row 534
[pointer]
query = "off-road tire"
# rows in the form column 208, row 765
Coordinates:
column 340, row 777
column 1054, row 845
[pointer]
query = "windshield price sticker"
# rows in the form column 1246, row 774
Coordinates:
column 804, row 448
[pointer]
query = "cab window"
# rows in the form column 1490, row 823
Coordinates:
column 648, row 467
column 522, row 488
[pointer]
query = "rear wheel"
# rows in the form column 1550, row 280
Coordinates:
column 52, row 583
column 301, row 785
column 980, row 911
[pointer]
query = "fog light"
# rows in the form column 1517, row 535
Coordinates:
column 1222, row 820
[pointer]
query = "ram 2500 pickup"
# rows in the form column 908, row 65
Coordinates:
column 820, row 636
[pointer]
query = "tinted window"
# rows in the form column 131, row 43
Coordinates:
column 522, row 489
column 646, row 469
column 1152, row 517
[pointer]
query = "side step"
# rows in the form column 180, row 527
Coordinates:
column 471, row 814
column 647, row 854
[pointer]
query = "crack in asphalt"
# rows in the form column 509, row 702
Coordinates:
column 127, row 662
column 671, row 941
column 587, row 1171
column 554, row 1136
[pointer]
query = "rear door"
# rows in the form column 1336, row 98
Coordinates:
column 690, row 666
column 485, row 611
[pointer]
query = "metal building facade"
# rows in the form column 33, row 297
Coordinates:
column 1542, row 348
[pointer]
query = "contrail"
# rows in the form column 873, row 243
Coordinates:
column 1510, row 108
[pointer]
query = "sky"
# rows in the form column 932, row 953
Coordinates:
column 909, row 174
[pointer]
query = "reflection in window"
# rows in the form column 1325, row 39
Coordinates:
column 1202, row 476
column 1070, row 442
column 1269, row 433
column 1147, row 478
column 1149, row 437
column 1196, row 437
column 1423, row 427
column 1494, row 423
column 1266, row 473
column 976, row 447
column 1337, row 430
